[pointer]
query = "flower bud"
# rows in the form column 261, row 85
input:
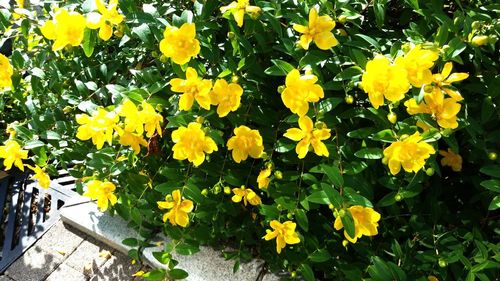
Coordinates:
column 281, row 89
column 392, row 117
column 200, row 119
column 429, row 172
column 163, row 58
column 204, row 192
column 279, row 207
column 231, row 35
column 235, row 79
column 331, row 207
column 492, row 156
column 342, row 213
column 342, row 19
column 405, row 136
column 345, row 243
column 227, row 190
column 442, row 263
column 406, row 47
column 479, row 40
column 289, row 216
column 278, row 175
column 293, row 274
column 67, row 109
column 349, row 99
column 217, row 189
column 476, row 25
column 398, row 197
column 342, row 32
column 320, row 125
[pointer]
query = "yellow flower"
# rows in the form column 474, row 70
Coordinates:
column 193, row 88
column 383, row 79
column 20, row 3
column 180, row 44
column 247, row 195
column 12, row 153
column 299, row 91
column 178, row 209
column 6, row 72
column 133, row 140
column 245, row 142
column 191, row 143
column 151, row 119
column 138, row 121
column 102, row 192
column 105, row 19
column 318, row 30
column 283, row 232
column 227, row 96
column 451, row 159
column 42, row 177
column 99, row 127
column 133, row 121
column 308, row 135
column 443, row 110
column 479, row 40
column 263, row 178
column 365, row 222
column 139, row 273
column 444, row 79
column 418, row 63
column 66, row 28
column 239, row 8
column 410, row 153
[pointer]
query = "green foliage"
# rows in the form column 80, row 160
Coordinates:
column 434, row 222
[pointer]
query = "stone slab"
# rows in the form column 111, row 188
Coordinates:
column 34, row 265
column 66, row 273
column 118, row 267
column 5, row 277
column 87, row 257
column 51, row 241
column 207, row 264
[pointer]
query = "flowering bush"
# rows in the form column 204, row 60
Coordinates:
column 337, row 140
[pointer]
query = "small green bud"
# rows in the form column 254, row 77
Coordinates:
column 392, row 117
column 279, row 207
column 231, row 35
column 331, row 207
column 200, row 119
column 278, row 175
column 163, row 58
column 227, row 190
column 476, row 25
column 385, row 160
column 342, row 19
column 217, row 189
column 235, row 79
column 289, row 216
column 429, row 172
column 492, row 156
column 342, row 213
column 398, row 197
column 349, row 99
column 293, row 274
column 281, row 89
column 442, row 263
column 67, row 109
column 204, row 192
column 406, row 47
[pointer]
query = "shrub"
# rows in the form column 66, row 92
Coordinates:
column 335, row 140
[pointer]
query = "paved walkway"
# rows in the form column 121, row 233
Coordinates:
column 65, row 254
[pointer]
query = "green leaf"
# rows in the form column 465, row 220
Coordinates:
column 333, row 195
column 280, row 68
column 157, row 274
column 370, row 153
column 186, row 249
column 348, row 223
column 348, row 74
column 162, row 257
column 333, row 173
column 493, row 185
column 320, row 255
column 386, row 135
column 89, row 39
column 492, row 170
column 379, row 11
column 178, row 273
column 131, row 242
column 318, row 197
column 307, row 272
column 495, row 203
column 302, row 220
